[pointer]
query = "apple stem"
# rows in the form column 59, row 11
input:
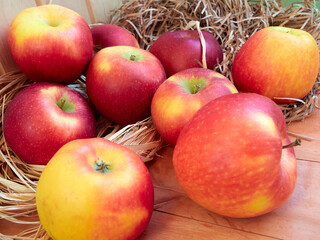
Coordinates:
column 132, row 57
column 63, row 101
column 296, row 142
column 101, row 166
column 97, row 48
column 197, row 88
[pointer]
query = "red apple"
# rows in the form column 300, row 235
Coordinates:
column 181, row 50
column 121, row 81
column 94, row 189
column 230, row 159
column 108, row 35
column 42, row 117
column 182, row 95
column 277, row 62
column 50, row 43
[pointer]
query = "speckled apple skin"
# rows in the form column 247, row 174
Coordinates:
column 229, row 157
column 277, row 62
column 75, row 202
column 50, row 43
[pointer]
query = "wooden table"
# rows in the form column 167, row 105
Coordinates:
column 176, row 217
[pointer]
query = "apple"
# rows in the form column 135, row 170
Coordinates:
column 231, row 157
column 95, row 189
column 121, row 81
column 109, row 35
column 277, row 62
column 42, row 117
column 182, row 95
column 50, row 43
column 180, row 50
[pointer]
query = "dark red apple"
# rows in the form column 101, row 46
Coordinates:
column 181, row 50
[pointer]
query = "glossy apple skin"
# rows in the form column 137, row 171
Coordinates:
column 35, row 127
column 181, row 50
column 74, row 201
column 277, row 62
column 122, row 89
column 229, row 157
column 172, row 106
column 50, row 43
column 109, row 35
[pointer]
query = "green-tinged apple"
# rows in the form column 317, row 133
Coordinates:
column 109, row 35
column 121, row 82
column 50, row 43
column 180, row 50
column 233, row 158
column 278, row 62
column 42, row 117
column 182, row 95
column 95, row 189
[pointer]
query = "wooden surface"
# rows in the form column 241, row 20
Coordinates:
column 175, row 216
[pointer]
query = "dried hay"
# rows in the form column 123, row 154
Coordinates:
column 232, row 22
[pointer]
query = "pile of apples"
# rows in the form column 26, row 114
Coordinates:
column 231, row 151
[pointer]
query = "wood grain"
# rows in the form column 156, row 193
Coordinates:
column 310, row 150
column 164, row 226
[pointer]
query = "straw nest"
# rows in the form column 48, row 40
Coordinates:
column 232, row 22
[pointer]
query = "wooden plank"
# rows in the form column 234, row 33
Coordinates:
column 91, row 10
column 79, row 6
column 170, row 227
column 310, row 150
column 9, row 9
column 102, row 8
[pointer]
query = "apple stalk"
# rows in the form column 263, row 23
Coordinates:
column 101, row 166
column 295, row 143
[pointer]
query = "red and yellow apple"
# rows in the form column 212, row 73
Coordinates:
column 50, row 43
column 182, row 95
column 42, row 117
column 121, row 82
column 229, row 158
column 95, row 189
column 277, row 62
column 109, row 35
column 180, row 50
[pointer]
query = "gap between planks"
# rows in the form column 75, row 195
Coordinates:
column 214, row 224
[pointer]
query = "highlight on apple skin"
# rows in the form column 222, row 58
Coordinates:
column 180, row 50
column 278, row 62
column 50, row 43
column 121, row 82
column 42, row 117
column 230, row 159
column 182, row 95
